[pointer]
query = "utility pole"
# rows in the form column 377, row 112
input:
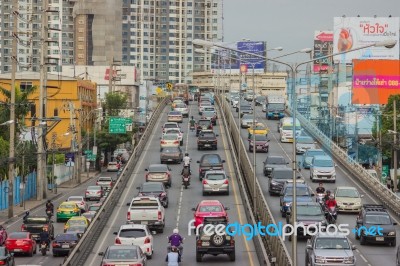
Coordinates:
column 110, row 76
column 394, row 146
column 11, row 159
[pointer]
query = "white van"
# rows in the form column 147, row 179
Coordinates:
column 285, row 128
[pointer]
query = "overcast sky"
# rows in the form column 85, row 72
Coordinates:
column 291, row 23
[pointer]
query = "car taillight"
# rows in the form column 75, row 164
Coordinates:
column 204, row 182
column 176, row 142
column 23, row 227
column 98, row 192
column 128, row 216
column 2, row 262
column 7, row 242
column 141, row 194
column 97, row 183
column 26, row 242
column 232, row 241
column 163, row 194
column 82, row 203
column 198, row 242
column 159, row 215
column 108, row 264
column 226, row 182
column 163, row 142
column 87, row 192
column 110, row 184
column 117, row 241
column 147, row 240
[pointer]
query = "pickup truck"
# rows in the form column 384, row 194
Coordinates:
column 147, row 211
column 34, row 224
column 106, row 182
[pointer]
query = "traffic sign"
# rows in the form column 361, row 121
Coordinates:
column 91, row 157
column 117, row 125
column 169, row 86
column 88, row 152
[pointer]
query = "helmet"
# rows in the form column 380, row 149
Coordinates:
column 328, row 192
column 27, row 213
column 331, row 197
column 175, row 231
column 49, row 201
column 186, row 154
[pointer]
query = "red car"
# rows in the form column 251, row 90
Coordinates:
column 21, row 242
column 209, row 208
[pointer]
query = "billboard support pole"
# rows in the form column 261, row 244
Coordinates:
column 394, row 146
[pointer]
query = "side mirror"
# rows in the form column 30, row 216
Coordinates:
column 335, row 165
column 312, row 194
column 287, row 162
column 226, row 208
column 194, row 209
column 353, row 247
column 128, row 204
column 101, row 253
column 198, row 161
column 394, row 223
column 146, row 169
column 137, row 187
column 361, row 196
column 115, row 233
column 223, row 161
column 217, row 135
column 309, row 247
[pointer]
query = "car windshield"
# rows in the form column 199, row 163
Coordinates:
column 94, row 188
column 290, row 127
column 36, row 220
column 151, row 187
column 76, row 222
column 332, row 243
column 211, row 159
column 279, row 106
column 170, row 150
column 75, row 199
column 67, row 206
column 260, row 98
column 315, row 153
column 347, row 193
column 305, row 140
column 260, row 137
column 212, row 208
column 66, row 237
column 379, row 219
column 300, row 191
column 175, row 113
column 207, row 135
column 170, row 136
column 283, row 174
column 94, row 208
column 180, row 105
column 172, row 131
column 158, row 168
column 104, row 179
column 78, row 228
column 208, row 113
column 204, row 122
column 276, row 160
column 132, row 233
column 323, row 163
column 247, row 117
column 18, row 235
column 308, row 210
column 215, row 176
column 170, row 126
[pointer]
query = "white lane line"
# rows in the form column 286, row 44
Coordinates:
column 365, row 260
column 127, row 191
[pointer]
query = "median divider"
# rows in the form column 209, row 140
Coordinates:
column 84, row 248
column 388, row 198
column 271, row 250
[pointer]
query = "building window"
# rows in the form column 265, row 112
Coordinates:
column 24, row 85
column 55, row 112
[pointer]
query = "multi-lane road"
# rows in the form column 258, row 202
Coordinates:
column 366, row 255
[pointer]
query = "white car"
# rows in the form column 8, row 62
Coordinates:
column 112, row 167
column 169, row 140
column 80, row 201
column 247, row 121
column 202, row 106
column 215, row 182
column 181, row 107
column 169, row 125
column 175, row 131
column 135, row 234
column 175, row 116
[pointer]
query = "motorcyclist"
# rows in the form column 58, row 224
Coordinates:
column 320, row 189
column 192, row 123
column 25, row 216
column 328, row 194
column 186, row 171
column 331, row 202
column 3, row 235
column 45, row 237
column 173, row 257
column 176, row 240
column 186, row 160
column 49, row 206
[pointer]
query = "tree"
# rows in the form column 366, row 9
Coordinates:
column 4, row 148
column 114, row 102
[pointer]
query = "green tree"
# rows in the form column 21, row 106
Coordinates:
column 4, row 148
column 114, row 102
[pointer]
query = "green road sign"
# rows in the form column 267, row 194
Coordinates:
column 91, row 157
column 88, row 152
column 117, row 125
column 128, row 120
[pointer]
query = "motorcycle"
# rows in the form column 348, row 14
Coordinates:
column 49, row 213
column 320, row 198
column 180, row 247
column 186, row 181
column 332, row 215
column 192, row 127
column 43, row 248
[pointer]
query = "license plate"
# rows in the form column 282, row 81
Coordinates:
column 65, row 246
column 144, row 222
column 17, row 250
column 380, row 239
column 169, row 160
column 215, row 189
column 185, row 179
column 205, row 244
column 259, row 147
column 207, row 145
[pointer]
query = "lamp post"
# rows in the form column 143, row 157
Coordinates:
column 293, row 70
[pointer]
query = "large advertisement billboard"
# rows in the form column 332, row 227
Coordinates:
column 375, row 80
column 354, row 32
column 323, row 45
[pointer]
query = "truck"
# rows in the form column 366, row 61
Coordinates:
column 181, row 90
column 275, row 106
column 35, row 224
column 147, row 211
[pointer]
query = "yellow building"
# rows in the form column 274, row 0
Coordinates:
column 70, row 100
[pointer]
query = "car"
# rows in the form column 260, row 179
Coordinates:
column 262, row 143
column 209, row 161
column 309, row 155
column 155, row 189
column 77, row 229
column 249, row 96
column 159, row 173
column 105, row 182
column 208, row 208
column 210, row 243
column 258, row 129
column 177, row 131
column 176, row 102
column 326, row 247
column 245, row 109
column 64, row 243
column 323, row 169
column 112, row 167
column 128, row 254
column 247, row 121
column 169, row 125
column 207, row 139
column 169, row 140
column 235, row 101
column 35, row 224
column 175, row 116
column 181, row 107
column 348, row 199
column 21, row 242
column 260, row 100
column 308, row 213
column 375, row 215
column 211, row 115
column 278, row 178
column 303, row 194
column 79, row 221
column 202, row 105
column 66, row 210
column 93, row 193
column 94, row 207
column 203, row 124
column 273, row 161
column 304, row 143
column 89, row 215
column 6, row 257
column 80, row 201
column 398, row 256
column 135, row 234
column 211, row 109
column 215, row 182
column 171, row 154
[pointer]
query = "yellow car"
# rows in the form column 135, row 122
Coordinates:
column 76, row 221
column 258, row 129
column 66, row 210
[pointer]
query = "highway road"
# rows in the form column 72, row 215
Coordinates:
column 366, row 255
column 181, row 201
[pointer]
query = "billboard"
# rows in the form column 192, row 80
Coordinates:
column 354, row 32
column 375, row 80
column 323, row 45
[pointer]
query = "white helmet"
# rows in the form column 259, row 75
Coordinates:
column 176, row 231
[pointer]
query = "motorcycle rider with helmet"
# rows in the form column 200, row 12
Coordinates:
column 45, row 237
column 176, row 240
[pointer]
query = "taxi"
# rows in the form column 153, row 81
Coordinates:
column 66, row 210
column 76, row 221
column 258, row 129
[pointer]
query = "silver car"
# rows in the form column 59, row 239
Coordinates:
column 181, row 107
column 93, row 193
column 329, row 249
column 215, row 182
column 247, row 121
column 304, row 143
column 322, row 169
column 119, row 255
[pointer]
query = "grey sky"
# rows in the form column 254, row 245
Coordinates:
column 291, row 23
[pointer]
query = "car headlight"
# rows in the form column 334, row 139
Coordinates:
column 357, row 203
column 392, row 234
column 349, row 260
column 287, row 204
column 274, row 183
column 339, row 202
column 269, row 169
column 319, row 259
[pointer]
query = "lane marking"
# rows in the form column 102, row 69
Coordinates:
column 127, row 191
column 362, row 256
column 223, row 135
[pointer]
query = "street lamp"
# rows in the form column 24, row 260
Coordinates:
column 9, row 122
column 294, row 69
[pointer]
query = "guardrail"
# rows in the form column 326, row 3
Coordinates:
column 82, row 250
column 388, row 198
column 274, row 246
